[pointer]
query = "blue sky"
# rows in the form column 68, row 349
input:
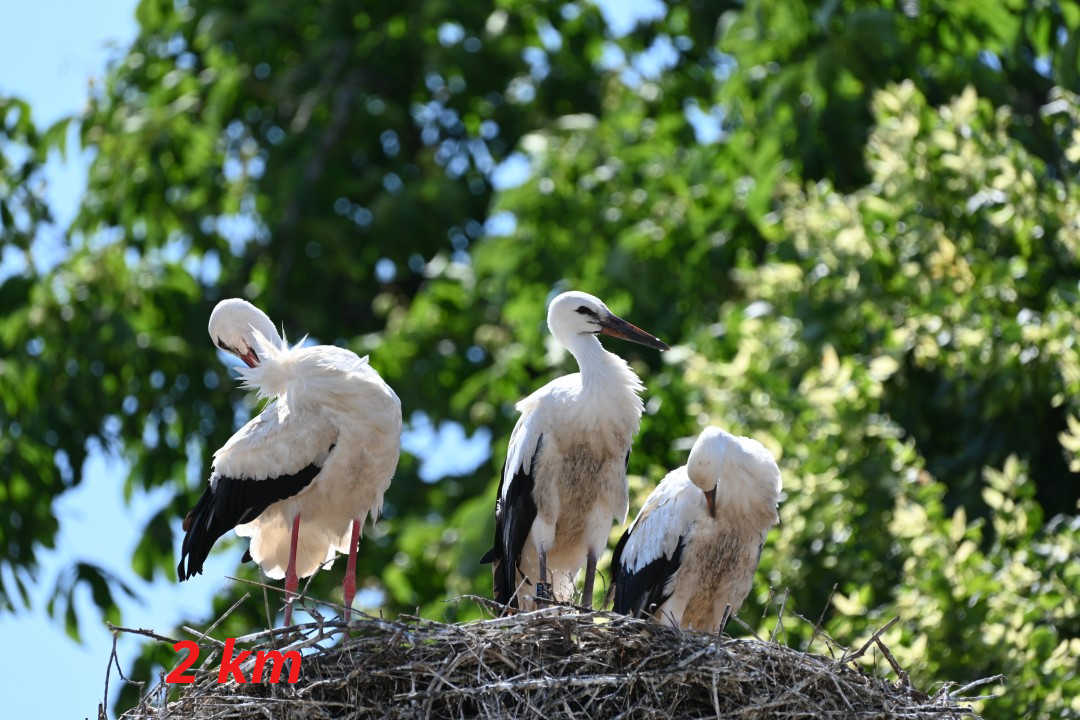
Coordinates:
column 49, row 51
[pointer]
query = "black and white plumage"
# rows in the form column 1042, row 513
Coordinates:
column 693, row 549
column 564, row 480
column 325, row 449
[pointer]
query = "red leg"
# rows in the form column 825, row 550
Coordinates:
column 350, row 569
column 291, row 581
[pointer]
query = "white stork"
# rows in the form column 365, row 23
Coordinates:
column 325, row 449
column 693, row 549
column 564, row 480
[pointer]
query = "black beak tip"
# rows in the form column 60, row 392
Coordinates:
column 617, row 327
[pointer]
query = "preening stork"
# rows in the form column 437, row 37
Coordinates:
column 564, row 480
column 324, row 449
column 693, row 549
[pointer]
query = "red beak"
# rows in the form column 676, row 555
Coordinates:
column 250, row 358
column 710, row 498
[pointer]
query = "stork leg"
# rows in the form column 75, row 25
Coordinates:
column 590, row 576
column 291, row 581
column 349, row 588
column 543, row 590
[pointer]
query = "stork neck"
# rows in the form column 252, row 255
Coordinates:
column 275, row 338
column 268, row 331
column 592, row 360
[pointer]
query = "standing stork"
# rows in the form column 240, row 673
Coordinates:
column 324, row 449
column 564, row 480
column 693, row 549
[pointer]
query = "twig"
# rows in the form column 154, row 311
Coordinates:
column 141, row 631
column 266, row 606
column 903, row 676
column 866, row 645
column 779, row 618
column 213, row 626
column 328, row 603
column 821, row 619
column 108, row 672
column 115, row 660
column 959, row 692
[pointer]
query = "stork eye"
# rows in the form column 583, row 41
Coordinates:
column 583, row 310
column 221, row 344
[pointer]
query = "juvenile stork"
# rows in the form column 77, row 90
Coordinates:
column 693, row 549
column 564, row 480
column 323, row 449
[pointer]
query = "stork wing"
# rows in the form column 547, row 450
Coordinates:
column 515, row 508
column 274, row 456
column 650, row 551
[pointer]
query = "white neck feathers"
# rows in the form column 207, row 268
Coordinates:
column 278, row 370
column 607, row 380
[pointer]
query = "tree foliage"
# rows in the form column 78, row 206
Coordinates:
column 27, row 432
column 855, row 222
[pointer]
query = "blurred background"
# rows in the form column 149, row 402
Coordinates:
column 856, row 223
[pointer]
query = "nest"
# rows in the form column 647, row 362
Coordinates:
column 552, row 663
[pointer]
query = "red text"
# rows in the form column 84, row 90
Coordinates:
column 231, row 664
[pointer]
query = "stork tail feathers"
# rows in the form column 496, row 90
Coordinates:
column 196, row 522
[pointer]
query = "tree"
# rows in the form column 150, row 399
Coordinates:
column 232, row 158
column 863, row 249
column 32, row 470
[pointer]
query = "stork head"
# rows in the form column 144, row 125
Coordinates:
column 233, row 324
column 736, row 473
column 576, row 313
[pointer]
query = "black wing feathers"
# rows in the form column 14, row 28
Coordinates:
column 513, row 522
column 616, row 557
column 231, row 502
column 640, row 593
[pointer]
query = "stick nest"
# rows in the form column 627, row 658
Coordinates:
column 552, row 663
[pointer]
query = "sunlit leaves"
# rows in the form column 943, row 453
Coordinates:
column 1001, row 604
column 947, row 265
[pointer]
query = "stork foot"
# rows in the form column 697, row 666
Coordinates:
column 543, row 592
column 543, row 589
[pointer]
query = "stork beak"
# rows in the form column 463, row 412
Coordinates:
column 250, row 358
column 615, row 326
column 710, row 498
